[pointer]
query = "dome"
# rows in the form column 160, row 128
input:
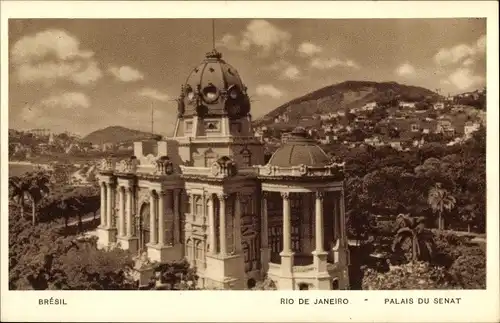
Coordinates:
column 214, row 88
column 299, row 150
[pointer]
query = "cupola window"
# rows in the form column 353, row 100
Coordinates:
column 210, row 93
column 189, row 93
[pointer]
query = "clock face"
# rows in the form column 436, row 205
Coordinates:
column 233, row 94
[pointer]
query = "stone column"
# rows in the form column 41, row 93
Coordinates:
column 121, row 194
column 177, row 217
column 319, row 254
column 130, row 213
column 152, row 219
column 286, row 254
column 264, row 235
column 286, row 223
column 161, row 218
column 103, row 209
column 109, row 205
column 222, row 224
column 212, row 225
column 318, row 232
column 237, row 224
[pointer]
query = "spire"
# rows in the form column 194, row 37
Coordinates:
column 213, row 54
column 213, row 35
column 152, row 121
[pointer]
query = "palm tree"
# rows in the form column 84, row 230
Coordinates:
column 412, row 237
column 440, row 200
column 36, row 185
column 18, row 188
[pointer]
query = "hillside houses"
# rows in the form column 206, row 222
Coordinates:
column 445, row 127
column 470, row 127
column 438, row 106
column 407, row 105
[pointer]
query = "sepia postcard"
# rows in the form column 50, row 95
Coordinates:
column 291, row 161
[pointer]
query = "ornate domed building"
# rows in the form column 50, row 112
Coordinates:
column 205, row 195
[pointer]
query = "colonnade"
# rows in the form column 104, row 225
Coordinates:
column 219, row 246
column 162, row 215
column 319, row 234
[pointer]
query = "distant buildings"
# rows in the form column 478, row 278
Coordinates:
column 407, row 105
column 445, row 127
column 439, row 106
column 470, row 127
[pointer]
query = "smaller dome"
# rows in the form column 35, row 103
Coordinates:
column 299, row 150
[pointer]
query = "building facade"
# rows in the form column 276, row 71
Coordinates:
column 206, row 195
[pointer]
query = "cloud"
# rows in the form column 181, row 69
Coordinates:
column 269, row 90
column 82, row 73
column 52, row 55
column 292, row 72
column 309, row 49
column 57, row 111
column 406, row 69
column 331, row 63
column 461, row 53
column 126, row 73
column 230, row 42
column 153, row 94
column 52, row 42
column 463, row 78
column 259, row 34
column 287, row 70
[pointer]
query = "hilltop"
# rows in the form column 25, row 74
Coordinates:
column 116, row 134
column 345, row 96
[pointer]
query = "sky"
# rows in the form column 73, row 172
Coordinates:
column 80, row 75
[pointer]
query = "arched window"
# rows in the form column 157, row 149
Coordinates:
column 210, row 157
column 189, row 250
column 335, row 284
column 198, row 211
column 246, row 157
column 199, row 254
column 303, row 286
column 144, row 229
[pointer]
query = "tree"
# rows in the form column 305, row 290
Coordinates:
column 412, row 239
column 38, row 187
column 17, row 190
column 176, row 275
column 440, row 200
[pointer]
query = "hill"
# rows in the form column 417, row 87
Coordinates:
column 345, row 96
column 116, row 134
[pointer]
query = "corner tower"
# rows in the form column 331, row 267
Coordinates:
column 214, row 116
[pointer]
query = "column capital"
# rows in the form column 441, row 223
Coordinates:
column 152, row 193
column 285, row 195
column 265, row 194
column 320, row 195
column 223, row 196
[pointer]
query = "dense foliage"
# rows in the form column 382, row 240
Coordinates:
column 419, row 275
column 444, row 184
column 70, row 202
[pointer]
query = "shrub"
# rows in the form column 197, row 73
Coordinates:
column 417, row 275
column 469, row 271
